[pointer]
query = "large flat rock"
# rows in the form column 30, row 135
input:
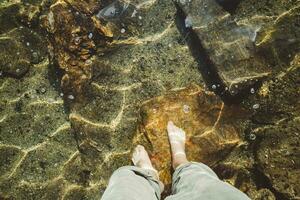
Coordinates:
column 212, row 128
column 224, row 47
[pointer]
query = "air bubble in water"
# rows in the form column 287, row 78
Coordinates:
column 43, row 90
column 113, row 11
column 186, row 109
column 252, row 136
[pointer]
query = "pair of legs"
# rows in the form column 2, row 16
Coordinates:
column 176, row 136
column 191, row 180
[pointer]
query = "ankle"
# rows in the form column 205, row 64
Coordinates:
column 146, row 166
column 179, row 160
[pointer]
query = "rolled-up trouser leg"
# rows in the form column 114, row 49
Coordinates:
column 132, row 183
column 196, row 181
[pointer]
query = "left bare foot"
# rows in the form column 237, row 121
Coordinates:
column 140, row 158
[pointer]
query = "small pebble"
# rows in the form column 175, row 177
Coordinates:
column 214, row 87
column 255, row 106
column 90, row 35
column 188, row 22
column 27, row 43
column 182, row 2
column 134, row 13
column 252, row 90
column 71, row 97
column 77, row 40
column 123, row 30
column 88, row 62
column 266, row 156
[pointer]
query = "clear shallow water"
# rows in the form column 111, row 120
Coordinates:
column 71, row 90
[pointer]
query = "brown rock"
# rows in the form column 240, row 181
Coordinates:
column 73, row 34
column 211, row 127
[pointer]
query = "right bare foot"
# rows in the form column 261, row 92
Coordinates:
column 177, row 142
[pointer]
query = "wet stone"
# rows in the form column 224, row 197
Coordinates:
column 225, row 48
column 16, row 57
column 211, row 127
column 8, row 18
column 279, row 152
column 9, row 157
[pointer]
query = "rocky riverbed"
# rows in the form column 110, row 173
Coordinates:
column 83, row 82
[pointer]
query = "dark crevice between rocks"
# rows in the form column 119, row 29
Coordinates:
column 15, row 75
column 229, row 5
column 208, row 69
column 262, row 181
column 260, row 178
column 55, row 74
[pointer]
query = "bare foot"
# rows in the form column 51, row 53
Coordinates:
column 177, row 142
column 140, row 158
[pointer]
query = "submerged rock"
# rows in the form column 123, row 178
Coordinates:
column 224, row 49
column 20, row 50
column 69, row 24
column 212, row 128
column 280, row 42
